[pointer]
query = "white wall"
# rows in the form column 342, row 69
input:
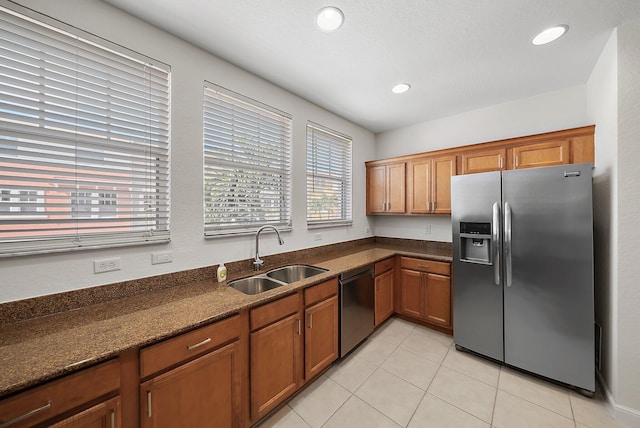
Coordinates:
column 602, row 101
column 551, row 111
column 24, row 277
column 628, row 384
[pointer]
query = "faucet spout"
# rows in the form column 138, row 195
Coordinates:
column 257, row 263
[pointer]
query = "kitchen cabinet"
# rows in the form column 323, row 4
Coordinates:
column 425, row 291
column 383, row 296
column 194, row 379
column 429, row 184
column 386, row 188
column 475, row 161
column 321, row 327
column 80, row 399
column 548, row 153
column 276, row 368
column 102, row 415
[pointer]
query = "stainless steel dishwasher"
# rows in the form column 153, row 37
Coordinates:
column 356, row 307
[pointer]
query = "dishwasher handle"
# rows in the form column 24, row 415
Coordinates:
column 353, row 273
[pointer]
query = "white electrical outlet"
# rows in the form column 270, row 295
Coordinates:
column 427, row 230
column 106, row 265
column 161, row 257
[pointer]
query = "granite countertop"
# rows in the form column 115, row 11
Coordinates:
column 40, row 349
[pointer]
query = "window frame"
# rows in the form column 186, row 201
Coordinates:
column 332, row 140
column 36, row 150
column 233, row 126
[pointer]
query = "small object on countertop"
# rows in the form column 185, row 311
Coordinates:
column 222, row 273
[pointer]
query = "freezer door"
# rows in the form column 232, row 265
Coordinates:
column 548, row 293
column 477, row 303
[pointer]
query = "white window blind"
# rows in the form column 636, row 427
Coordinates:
column 328, row 177
column 84, row 127
column 247, row 164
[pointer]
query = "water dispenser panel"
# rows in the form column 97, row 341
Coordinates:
column 475, row 243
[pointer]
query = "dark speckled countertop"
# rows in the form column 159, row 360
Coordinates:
column 39, row 349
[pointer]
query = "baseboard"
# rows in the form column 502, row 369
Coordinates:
column 622, row 414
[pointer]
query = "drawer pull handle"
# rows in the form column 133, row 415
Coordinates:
column 423, row 266
column 26, row 415
column 199, row 344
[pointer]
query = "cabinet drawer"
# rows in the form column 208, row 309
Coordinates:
column 383, row 266
column 424, row 265
column 59, row 396
column 165, row 354
column 271, row 312
column 320, row 292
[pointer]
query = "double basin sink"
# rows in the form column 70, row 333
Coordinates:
column 275, row 278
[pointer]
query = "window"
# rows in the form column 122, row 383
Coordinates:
column 84, row 140
column 328, row 177
column 247, row 164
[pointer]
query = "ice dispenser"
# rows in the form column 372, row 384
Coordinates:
column 475, row 243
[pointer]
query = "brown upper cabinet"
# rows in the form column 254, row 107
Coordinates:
column 485, row 160
column 386, row 188
column 541, row 154
column 429, row 185
column 428, row 175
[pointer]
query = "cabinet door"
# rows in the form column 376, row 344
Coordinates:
column 276, row 364
column 383, row 297
column 396, row 191
column 202, row 393
column 102, row 415
column 376, row 189
column 419, row 186
column 443, row 168
column 411, row 293
column 542, row 154
column 483, row 161
column 321, row 336
column 438, row 299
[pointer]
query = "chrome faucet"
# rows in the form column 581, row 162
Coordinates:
column 257, row 263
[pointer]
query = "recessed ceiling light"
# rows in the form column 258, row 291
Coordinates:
column 401, row 88
column 550, row 34
column 329, row 18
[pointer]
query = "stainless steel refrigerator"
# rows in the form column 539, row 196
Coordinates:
column 523, row 269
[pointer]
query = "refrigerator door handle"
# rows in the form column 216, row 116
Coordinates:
column 507, row 244
column 495, row 238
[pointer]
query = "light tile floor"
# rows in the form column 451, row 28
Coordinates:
column 406, row 375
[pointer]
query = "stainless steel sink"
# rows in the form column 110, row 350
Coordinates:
column 294, row 273
column 275, row 278
column 255, row 284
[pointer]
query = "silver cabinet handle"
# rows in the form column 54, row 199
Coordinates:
column 310, row 321
column 495, row 241
column 507, row 243
column 26, row 415
column 199, row 344
column 500, row 162
column 298, row 327
column 423, row 266
column 113, row 418
column 148, row 404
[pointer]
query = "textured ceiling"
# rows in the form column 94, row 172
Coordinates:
column 458, row 55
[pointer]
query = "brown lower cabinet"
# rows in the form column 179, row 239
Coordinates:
column 102, row 415
column 196, row 378
column 425, row 291
column 321, row 328
column 383, row 293
column 86, row 398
